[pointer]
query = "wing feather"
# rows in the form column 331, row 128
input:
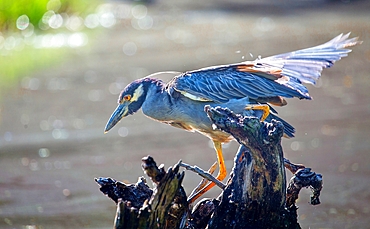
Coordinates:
column 266, row 79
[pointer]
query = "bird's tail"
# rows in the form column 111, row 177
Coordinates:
column 288, row 129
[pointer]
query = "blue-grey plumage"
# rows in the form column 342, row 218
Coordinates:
column 181, row 101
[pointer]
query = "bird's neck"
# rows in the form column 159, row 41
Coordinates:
column 157, row 104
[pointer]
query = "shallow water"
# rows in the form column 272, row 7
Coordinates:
column 51, row 136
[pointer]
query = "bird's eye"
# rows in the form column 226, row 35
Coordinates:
column 127, row 97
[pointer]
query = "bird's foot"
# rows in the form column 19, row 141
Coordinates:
column 262, row 107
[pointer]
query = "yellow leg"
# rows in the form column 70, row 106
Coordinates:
column 263, row 107
column 221, row 173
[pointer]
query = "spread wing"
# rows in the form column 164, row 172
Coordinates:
column 265, row 80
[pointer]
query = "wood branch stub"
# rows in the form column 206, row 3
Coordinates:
column 135, row 194
column 255, row 194
column 304, row 178
column 169, row 198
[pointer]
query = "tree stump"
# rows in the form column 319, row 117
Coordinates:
column 256, row 194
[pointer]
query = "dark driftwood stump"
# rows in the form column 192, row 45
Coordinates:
column 256, row 194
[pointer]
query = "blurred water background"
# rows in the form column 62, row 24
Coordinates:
column 63, row 64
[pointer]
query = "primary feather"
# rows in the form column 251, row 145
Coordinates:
column 270, row 77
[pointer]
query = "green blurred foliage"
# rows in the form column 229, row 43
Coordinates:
column 21, row 62
column 11, row 10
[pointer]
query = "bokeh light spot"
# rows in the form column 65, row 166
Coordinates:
column 92, row 21
column 34, row 165
column 44, row 152
column 54, row 5
column 123, row 131
column 107, row 20
column 115, row 88
column 139, row 11
column 55, row 21
column 77, row 40
column 75, row 23
column 90, row 76
column 23, row 22
column 25, row 161
column 145, row 23
column 44, row 125
column 96, row 95
column 129, row 48
column 354, row 167
column 8, row 136
column 66, row 192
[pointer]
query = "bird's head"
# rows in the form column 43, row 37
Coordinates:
column 129, row 101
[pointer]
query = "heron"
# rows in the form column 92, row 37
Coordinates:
column 249, row 88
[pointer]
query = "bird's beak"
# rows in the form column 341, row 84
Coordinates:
column 120, row 112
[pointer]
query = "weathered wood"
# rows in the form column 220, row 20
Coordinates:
column 140, row 207
column 255, row 195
